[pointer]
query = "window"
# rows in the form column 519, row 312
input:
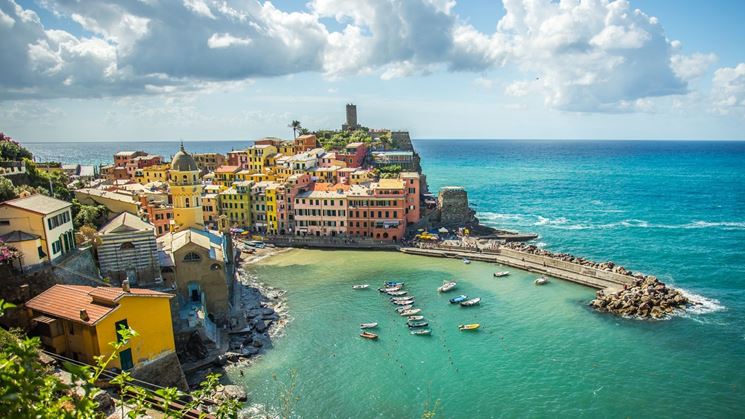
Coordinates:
column 121, row 324
column 192, row 257
column 215, row 267
column 4, row 222
column 127, row 246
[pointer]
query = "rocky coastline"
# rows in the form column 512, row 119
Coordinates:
column 644, row 298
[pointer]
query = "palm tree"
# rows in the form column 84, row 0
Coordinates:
column 295, row 125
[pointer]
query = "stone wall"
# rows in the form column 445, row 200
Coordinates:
column 454, row 209
column 164, row 371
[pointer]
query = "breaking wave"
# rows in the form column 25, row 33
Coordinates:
column 563, row 223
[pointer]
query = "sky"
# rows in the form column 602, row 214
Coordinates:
column 109, row 70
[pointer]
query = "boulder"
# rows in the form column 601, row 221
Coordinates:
column 231, row 391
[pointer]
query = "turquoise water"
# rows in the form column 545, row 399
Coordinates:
column 672, row 209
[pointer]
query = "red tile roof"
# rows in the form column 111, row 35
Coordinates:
column 227, row 169
column 66, row 301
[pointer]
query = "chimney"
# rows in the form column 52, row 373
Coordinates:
column 84, row 315
column 125, row 285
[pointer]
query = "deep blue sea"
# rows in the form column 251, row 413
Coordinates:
column 668, row 208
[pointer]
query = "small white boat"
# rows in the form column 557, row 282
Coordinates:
column 411, row 312
column 397, row 293
column 391, row 289
column 416, row 318
column 404, row 308
column 421, row 332
column 447, row 286
column 541, row 281
column 466, row 261
column 404, row 298
column 360, row 287
column 471, row 302
column 403, row 302
column 501, row 274
column 368, row 325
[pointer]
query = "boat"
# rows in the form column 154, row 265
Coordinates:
column 415, row 318
column 458, row 299
column 393, row 284
column 466, row 261
column 368, row 325
column 472, row 326
column 501, row 274
column 360, row 287
column 447, row 286
column 410, row 312
column 402, row 308
column 397, row 293
column 390, row 289
column 421, row 332
column 417, row 324
column 541, row 281
column 471, row 302
column 368, row 335
column 401, row 298
column 403, row 302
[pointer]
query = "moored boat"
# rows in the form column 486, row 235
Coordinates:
column 390, row 289
column 402, row 308
column 410, row 312
column 416, row 318
column 541, row 281
column 393, row 284
column 397, row 293
column 501, row 274
column 369, row 335
column 472, row 326
column 447, row 286
column 368, row 325
column 458, row 299
column 360, row 287
column 417, row 324
column 466, row 261
column 401, row 298
column 471, row 302
column 403, row 302
column 421, row 332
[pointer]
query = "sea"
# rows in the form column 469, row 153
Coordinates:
column 674, row 209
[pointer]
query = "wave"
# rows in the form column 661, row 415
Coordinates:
column 563, row 223
column 702, row 305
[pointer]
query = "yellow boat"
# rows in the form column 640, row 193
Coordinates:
column 472, row 326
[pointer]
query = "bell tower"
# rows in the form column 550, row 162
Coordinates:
column 186, row 192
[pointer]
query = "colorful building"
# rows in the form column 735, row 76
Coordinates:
column 48, row 218
column 238, row 158
column 209, row 162
column 127, row 251
column 235, row 203
column 186, row 192
column 322, row 211
column 80, row 322
column 226, row 175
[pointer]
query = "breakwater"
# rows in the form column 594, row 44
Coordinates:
column 545, row 265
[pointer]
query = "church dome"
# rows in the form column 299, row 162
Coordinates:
column 183, row 161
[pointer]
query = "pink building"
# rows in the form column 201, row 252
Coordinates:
column 286, row 195
column 412, row 184
column 353, row 154
column 238, row 158
column 322, row 211
column 377, row 210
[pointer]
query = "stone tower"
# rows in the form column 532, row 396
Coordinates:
column 351, row 117
column 186, row 192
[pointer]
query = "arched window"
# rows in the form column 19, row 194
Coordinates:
column 187, row 202
column 127, row 246
column 192, row 257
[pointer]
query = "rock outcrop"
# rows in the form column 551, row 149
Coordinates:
column 645, row 298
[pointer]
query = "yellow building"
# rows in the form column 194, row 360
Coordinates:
column 116, row 201
column 186, row 192
column 286, row 148
column 243, row 175
column 258, row 156
column 154, row 173
column 43, row 216
column 271, row 208
column 226, row 175
column 235, row 203
column 210, row 209
column 80, row 321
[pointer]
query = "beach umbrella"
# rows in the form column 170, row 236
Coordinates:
column 442, row 230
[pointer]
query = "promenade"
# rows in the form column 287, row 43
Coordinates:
column 583, row 275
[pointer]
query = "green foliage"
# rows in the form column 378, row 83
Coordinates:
column 390, row 171
column 30, row 390
column 91, row 215
column 7, row 190
column 39, row 180
column 11, row 150
column 295, row 125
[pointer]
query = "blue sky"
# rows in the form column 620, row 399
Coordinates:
column 92, row 70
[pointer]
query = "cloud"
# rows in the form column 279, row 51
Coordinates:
column 728, row 90
column 589, row 56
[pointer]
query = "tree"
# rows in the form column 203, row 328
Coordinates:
column 7, row 191
column 295, row 125
column 11, row 150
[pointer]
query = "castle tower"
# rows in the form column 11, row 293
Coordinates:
column 186, row 192
column 351, row 118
